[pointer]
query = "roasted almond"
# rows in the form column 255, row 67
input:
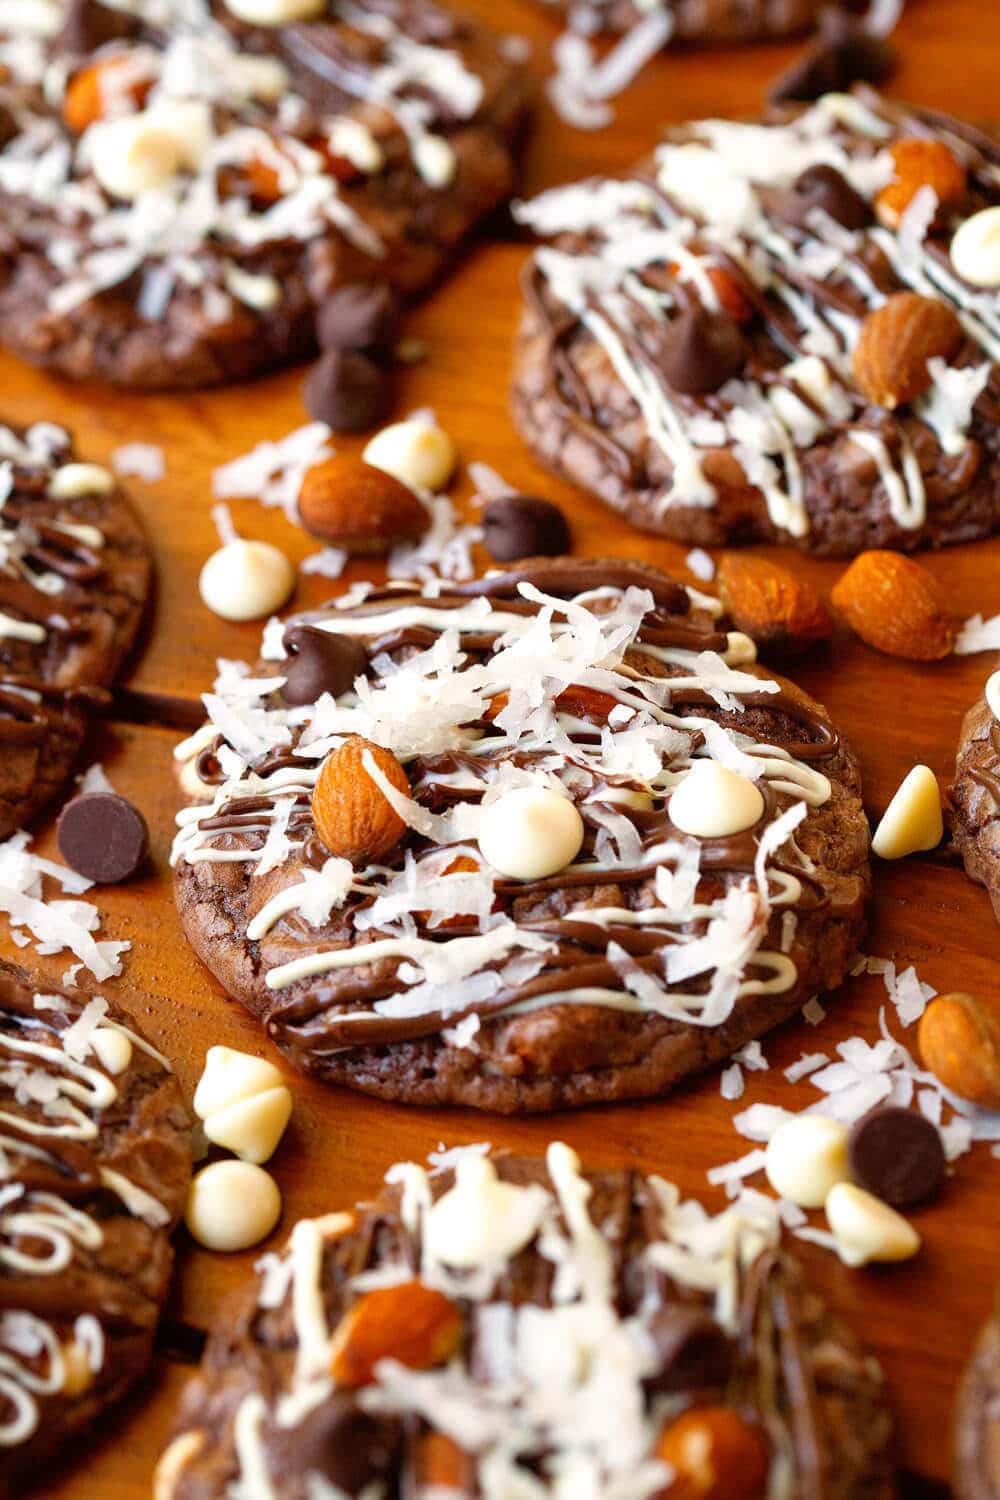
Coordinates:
column 440, row 1465
column 732, row 299
column 782, row 612
column 959, row 1041
column 353, row 817
column 715, row 1455
column 90, row 92
column 353, row 505
column 896, row 342
column 895, row 605
column 919, row 163
column 410, row 1323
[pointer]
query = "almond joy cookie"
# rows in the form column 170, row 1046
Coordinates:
column 181, row 186
column 975, row 793
column 542, row 839
column 778, row 332
column 510, row 1327
column 95, row 1157
column 75, row 575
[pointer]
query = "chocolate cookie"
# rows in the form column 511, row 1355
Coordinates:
column 975, row 793
column 502, row 1321
column 618, row 850
column 75, row 575
column 180, row 194
column 977, row 1420
column 777, row 332
column 95, row 1152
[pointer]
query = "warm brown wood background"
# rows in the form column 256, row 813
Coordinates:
column 921, row 1318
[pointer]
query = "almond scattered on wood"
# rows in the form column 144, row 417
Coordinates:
column 959, row 1041
column 350, row 504
column 782, row 612
column 897, row 606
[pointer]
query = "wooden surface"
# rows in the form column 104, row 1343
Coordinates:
column 920, row 1319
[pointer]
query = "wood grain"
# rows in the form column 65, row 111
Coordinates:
column 920, row 1319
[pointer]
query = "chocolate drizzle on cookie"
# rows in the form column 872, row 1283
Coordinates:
column 598, row 1315
column 686, row 350
column 608, row 681
column 94, row 1162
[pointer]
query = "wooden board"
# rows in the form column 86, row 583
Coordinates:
column 920, row 1319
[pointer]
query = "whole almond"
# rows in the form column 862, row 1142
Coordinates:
column 919, row 163
column 895, row 605
column 783, row 613
column 353, row 817
column 88, row 92
column 353, row 505
column 895, row 343
column 959, row 1041
column 409, row 1322
column 715, row 1455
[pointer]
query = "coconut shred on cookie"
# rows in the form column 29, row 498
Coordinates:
column 622, row 849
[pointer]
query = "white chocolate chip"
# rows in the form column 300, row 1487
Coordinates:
column 713, row 802
column 434, row 159
column 913, row 819
column 975, row 248
column 74, row 480
column 174, row 1460
column 232, row 1205
column 866, row 1228
column 740, row 649
column 275, row 12
column 252, row 1128
column 481, row 1220
column 246, row 580
column 806, row 1157
column 113, row 1049
column 625, row 796
column 416, row 452
column 530, row 833
column 136, row 154
column 993, row 695
column 78, row 1376
column 351, row 139
column 229, row 1077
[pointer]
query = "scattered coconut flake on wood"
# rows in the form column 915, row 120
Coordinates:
column 94, row 779
column 978, row 634
column 329, row 562
column 273, row 472
column 143, row 460
column 731, row 1084
column 582, row 85
column 55, row 925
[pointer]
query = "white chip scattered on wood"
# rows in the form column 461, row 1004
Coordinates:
column 143, row 460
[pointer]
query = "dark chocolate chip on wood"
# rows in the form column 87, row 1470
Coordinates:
column 517, row 526
column 102, row 836
column 319, row 662
column 822, row 187
column 364, row 315
column 348, row 391
column 897, row 1155
column 700, row 351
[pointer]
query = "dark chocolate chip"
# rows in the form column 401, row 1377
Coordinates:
column 823, row 187
column 352, row 1450
column 348, row 391
column 102, row 836
column 361, row 316
column 319, row 662
column 692, row 1351
column 897, row 1155
column 699, row 351
column 844, row 54
column 518, row 526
